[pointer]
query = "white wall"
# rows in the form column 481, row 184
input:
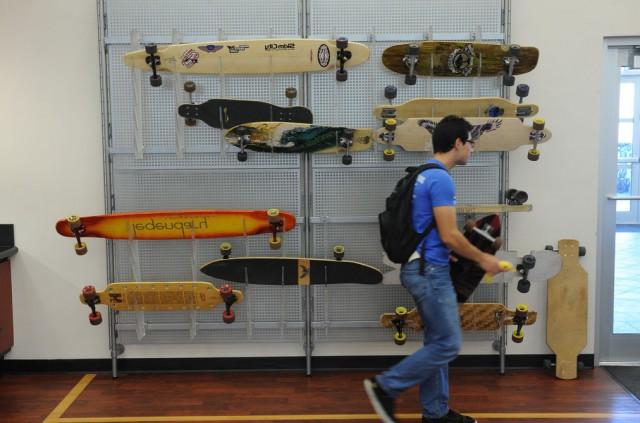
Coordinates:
column 51, row 165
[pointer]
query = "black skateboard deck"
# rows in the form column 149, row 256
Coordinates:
column 226, row 113
column 291, row 271
column 484, row 234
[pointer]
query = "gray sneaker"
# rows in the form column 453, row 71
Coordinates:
column 383, row 404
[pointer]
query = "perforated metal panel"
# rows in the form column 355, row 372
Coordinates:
column 344, row 200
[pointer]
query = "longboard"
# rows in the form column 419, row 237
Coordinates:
column 459, row 59
column 567, row 310
column 490, row 134
column 291, row 271
column 468, row 107
column 285, row 137
column 159, row 296
column 473, row 317
column 226, row 113
column 250, row 57
column 176, row 224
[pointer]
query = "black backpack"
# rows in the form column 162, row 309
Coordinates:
column 399, row 239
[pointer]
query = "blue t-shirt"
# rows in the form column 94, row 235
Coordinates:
column 433, row 188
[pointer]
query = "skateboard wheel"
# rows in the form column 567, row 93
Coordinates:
column 522, row 309
column 342, row 75
column 189, row 86
column 228, row 316
column 390, row 124
column 225, row 290
column 342, row 42
column 401, row 311
column 582, row 251
column 338, row 252
column 242, row 156
column 522, row 90
column 150, row 48
column 497, row 243
column 291, row 93
column 388, row 154
column 390, row 92
column 347, row 159
column 410, row 79
column 273, row 215
column 400, row 338
column 517, row 338
column 89, row 292
column 524, row 286
column 548, row 247
column 514, row 50
column 276, row 243
column 190, row 122
column 74, row 222
column 81, row 248
column 155, row 80
column 95, row 319
column 225, row 249
column 533, row 155
column 414, row 49
column 528, row 261
column 495, row 111
column 538, row 124
column 508, row 81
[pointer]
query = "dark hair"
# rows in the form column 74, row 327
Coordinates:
column 447, row 131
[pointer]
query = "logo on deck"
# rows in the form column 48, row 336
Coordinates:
column 190, row 58
column 324, row 55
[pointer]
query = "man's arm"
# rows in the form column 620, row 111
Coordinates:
column 452, row 237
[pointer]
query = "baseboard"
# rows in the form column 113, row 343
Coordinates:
column 263, row 363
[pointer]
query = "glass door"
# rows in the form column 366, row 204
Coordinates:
column 628, row 146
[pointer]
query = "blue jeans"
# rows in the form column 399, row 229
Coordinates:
column 428, row 367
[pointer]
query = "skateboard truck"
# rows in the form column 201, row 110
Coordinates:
column 522, row 91
column 91, row 298
column 291, row 93
column 190, row 87
column 519, row 320
column 78, row 229
column 225, row 249
column 346, row 141
column 229, row 298
column 153, row 60
column 343, row 56
column 410, row 60
column 275, row 242
column 515, row 197
column 390, row 92
column 528, row 263
column 510, row 61
column 390, row 125
column 535, row 136
column 398, row 322
column 243, row 140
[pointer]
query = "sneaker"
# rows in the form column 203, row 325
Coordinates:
column 451, row 417
column 382, row 403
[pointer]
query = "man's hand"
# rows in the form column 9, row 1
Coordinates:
column 491, row 264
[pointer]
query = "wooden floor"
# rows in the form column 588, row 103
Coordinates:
column 519, row 396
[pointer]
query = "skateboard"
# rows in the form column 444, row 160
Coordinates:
column 249, row 57
column 441, row 107
column 160, row 296
column 488, row 134
column 285, row 137
column 291, row 270
column 484, row 234
column 567, row 310
column 473, row 316
column 177, row 224
column 226, row 113
column 459, row 58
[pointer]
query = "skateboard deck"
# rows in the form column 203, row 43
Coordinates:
column 441, row 107
column 160, row 296
column 567, row 311
column 285, row 137
column 460, row 58
column 237, row 57
column 177, row 224
column 502, row 134
column 291, row 271
column 484, row 234
column 225, row 113
column 492, row 208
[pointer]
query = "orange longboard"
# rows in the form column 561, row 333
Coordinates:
column 178, row 224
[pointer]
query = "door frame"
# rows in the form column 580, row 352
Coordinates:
column 610, row 348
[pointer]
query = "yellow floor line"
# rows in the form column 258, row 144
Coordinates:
column 339, row 417
column 69, row 399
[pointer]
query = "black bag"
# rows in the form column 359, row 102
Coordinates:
column 399, row 239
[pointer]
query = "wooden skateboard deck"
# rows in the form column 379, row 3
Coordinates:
column 459, row 58
column 225, row 113
column 176, row 224
column 160, row 296
column 285, row 137
column 502, row 134
column 291, row 271
column 492, row 208
column 441, row 107
column 567, row 311
column 473, row 316
column 264, row 56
